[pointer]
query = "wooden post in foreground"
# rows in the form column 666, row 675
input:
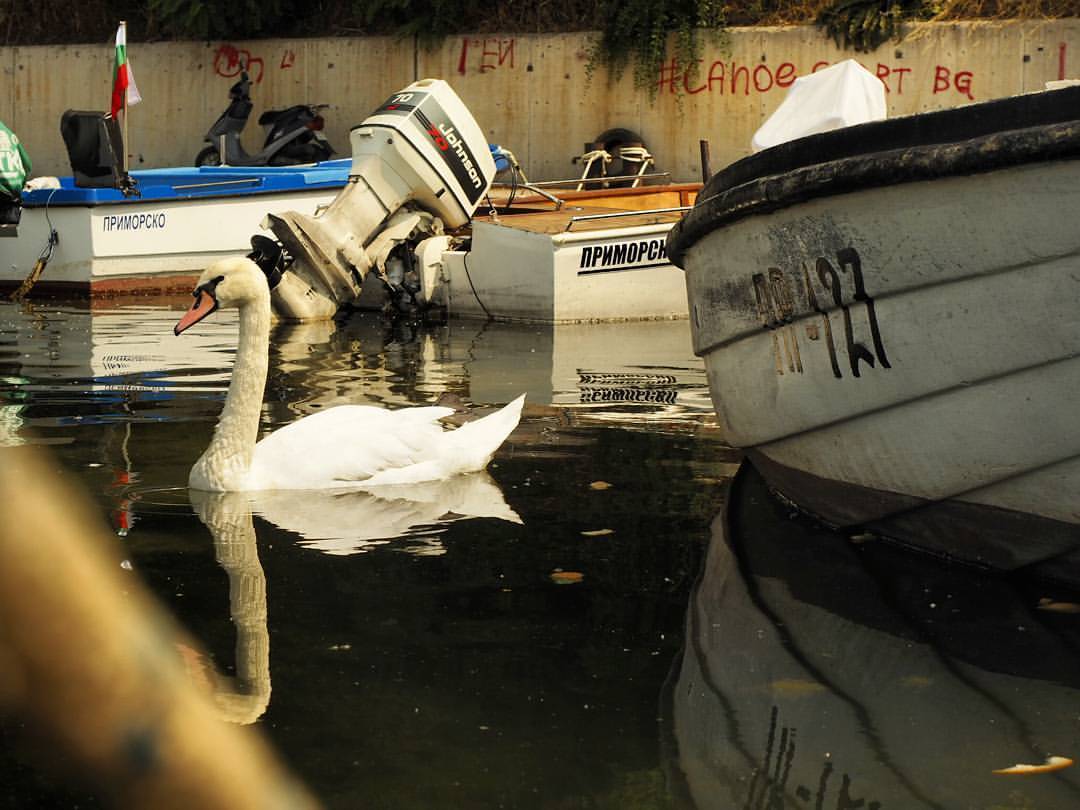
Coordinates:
column 89, row 660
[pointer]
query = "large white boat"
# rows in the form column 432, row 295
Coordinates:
column 887, row 314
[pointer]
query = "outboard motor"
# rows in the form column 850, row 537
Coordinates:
column 420, row 164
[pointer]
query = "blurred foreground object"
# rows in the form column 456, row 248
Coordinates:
column 89, row 661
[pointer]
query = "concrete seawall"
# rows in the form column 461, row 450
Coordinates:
column 529, row 92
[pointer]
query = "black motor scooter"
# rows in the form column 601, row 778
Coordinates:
column 293, row 135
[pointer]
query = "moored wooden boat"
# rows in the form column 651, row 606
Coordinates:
column 589, row 255
column 887, row 316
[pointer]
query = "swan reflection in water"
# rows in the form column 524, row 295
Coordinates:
column 822, row 673
column 348, row 522
column 335, row 523
column 243, row 698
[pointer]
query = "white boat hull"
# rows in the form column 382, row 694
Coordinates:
column 150, row 245
column 885, row 350
column 512, row 274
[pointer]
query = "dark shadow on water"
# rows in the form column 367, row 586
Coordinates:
column 823, row 673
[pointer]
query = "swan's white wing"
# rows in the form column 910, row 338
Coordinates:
column 345, row 446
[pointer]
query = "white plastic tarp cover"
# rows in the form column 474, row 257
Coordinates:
column 838, row 96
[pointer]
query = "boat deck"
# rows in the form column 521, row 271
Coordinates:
column 590, row 210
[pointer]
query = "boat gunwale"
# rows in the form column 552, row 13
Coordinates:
column 159, row 199
column 863, row 172
column 160, row 185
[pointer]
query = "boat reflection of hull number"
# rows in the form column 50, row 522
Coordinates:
column 771, row 785
column 807, row 295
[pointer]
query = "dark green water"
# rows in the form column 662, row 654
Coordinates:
column 612, row 618
column 413, row 662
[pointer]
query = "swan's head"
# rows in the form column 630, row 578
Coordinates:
column 226, row 283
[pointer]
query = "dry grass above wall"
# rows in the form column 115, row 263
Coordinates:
column 1003, row 9
column 44, row 22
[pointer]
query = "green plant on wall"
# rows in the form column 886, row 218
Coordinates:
column 636, row 32
column 431, row 21
column 210, row 19
column 863, row 25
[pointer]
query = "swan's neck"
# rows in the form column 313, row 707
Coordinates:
column 225, row 464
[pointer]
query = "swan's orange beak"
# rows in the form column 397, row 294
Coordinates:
column 204, row 304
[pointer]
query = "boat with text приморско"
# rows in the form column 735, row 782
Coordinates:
column 887, row 314
column 163, row 232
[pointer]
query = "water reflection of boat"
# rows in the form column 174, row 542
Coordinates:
column 887, row 316
column 123, row 348
column 126, row 354
column 609, row 371
column 822, row 673
column 650, row 362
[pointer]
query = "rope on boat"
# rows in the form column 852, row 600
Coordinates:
column 42, row 260
column 476, row 295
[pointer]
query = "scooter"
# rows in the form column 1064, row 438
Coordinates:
column 293, row 135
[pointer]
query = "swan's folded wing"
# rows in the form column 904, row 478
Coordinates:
column 345, row 446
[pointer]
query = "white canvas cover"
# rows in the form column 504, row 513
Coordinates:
column 838, row 96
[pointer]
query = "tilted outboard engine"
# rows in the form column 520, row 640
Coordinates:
column 420, row 163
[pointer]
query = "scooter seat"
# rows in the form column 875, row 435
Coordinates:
column 270, row 116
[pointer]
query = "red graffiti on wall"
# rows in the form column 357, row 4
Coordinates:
column 960, row 81
column 288, row 59
column 733, row 78
column 230, row 60
column 490, row 53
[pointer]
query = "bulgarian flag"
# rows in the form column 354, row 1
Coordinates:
column 124, row 87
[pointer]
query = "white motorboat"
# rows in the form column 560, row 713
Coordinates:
column 416, row 207
column 420, row 214
column 163, row 232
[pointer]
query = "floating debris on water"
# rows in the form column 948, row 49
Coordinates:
column 917, row 681
column 560, row 577
column 1052, row 764
column 1058, row 607
column 795, row 686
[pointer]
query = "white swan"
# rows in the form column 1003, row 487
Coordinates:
column 348, row 446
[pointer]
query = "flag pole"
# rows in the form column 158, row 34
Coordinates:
column 123, row 25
